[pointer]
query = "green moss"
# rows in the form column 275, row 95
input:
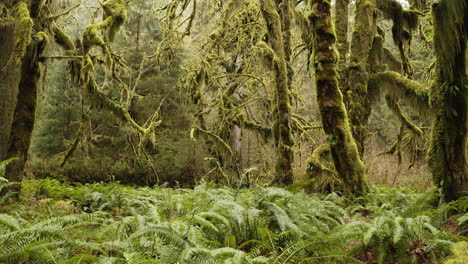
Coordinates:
column 400, row 88
column 393, row 104
column 23, row 28
column 117, row 10
column 459, row 254
column 405, row 22
column 341, row 24
column 63, row 39
column 91, row 38
column 450, row 36
column 321, row 171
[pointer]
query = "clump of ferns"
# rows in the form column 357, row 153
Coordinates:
column 5, row 191
column 38, row 241
column 405, row 240
column 392, row 202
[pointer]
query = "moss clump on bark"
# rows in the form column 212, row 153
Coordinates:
column 24, row 27
column 117, row 10
column 321, row 171
column 10, row 76
column 63, row 40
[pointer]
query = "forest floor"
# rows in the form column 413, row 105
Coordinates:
column 54, row 222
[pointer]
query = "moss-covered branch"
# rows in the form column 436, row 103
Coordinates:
column 404, row 120
column 399, row 87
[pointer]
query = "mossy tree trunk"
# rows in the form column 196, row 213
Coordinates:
column 333, row 113
column 364, row 31
column 30, row 41
column 278, row 56
column 10, row 77
column 25, row 111
column 341, row 24
column 448, row 150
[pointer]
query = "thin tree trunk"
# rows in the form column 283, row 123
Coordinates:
column 362, row 38
column 283, row 168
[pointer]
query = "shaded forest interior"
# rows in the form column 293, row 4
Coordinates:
column 356, row 108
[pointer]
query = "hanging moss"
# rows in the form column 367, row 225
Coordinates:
column 404, row 120
column 24, row 27
column 450, row 36
column 399, row 88
column 405, row 23
column 117, row 10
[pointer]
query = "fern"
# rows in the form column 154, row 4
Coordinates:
column 213, row 224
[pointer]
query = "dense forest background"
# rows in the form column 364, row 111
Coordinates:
column 356, row 108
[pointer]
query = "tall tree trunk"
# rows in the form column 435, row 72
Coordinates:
column 10, row 77
column 25, row 111
column 448, row 150
column 277, row 54
column 330, row 100
column 359, row 109
column 21, row 85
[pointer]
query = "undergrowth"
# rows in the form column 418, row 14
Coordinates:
column 110, row 223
